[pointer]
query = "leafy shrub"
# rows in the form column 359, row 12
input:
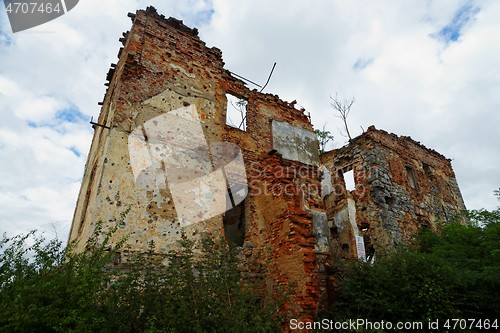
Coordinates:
column 453, row 273
column 44, row 288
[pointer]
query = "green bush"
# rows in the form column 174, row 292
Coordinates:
column 44, row 288
column 453, row 273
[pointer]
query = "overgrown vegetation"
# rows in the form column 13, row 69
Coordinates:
column 453, row 273
column 44, row 288
column 324, row 137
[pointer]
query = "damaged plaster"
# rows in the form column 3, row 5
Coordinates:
column 170, row 164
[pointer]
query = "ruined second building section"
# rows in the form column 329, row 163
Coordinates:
column 382, row 189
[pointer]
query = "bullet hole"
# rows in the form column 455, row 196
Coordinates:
column 345, row 247
column 389, row 200
column 118, row 258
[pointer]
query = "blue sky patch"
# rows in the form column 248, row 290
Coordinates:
column 5, row 39
column 75, row 151
column 361, row 64
column 203, row 17
column 71, row 115
column 53, row 126
column 32, row 124
column 68, row 115
column 453, row 30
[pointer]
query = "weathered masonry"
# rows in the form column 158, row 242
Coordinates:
column 182, row 145
column 169, row 86
column 384, row 189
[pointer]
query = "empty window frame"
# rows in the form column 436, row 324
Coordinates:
column 411, row 177
column 348, row 175
column 236, row 112
column 234, row 224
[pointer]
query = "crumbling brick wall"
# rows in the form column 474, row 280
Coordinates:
column 280, row 222
column 400, row 187
column 164, row 66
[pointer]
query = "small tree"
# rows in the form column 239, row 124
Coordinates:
column 342, row 107
column 324, row 137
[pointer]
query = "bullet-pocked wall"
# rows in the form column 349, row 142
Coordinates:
column 384, row 189
column 165, row 158
column 182, row 145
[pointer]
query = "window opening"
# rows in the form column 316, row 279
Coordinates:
column 334, row 231
column 234, row 224
column 427, row 169
column 411, row 177
column 349, row 180
column 370, row 254
column 236, row 112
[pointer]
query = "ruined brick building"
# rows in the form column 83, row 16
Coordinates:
column 381, row 189
column 166, row 158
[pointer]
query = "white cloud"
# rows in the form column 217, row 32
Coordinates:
column 444, row 94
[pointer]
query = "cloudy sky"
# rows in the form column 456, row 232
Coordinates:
column 426, row 69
